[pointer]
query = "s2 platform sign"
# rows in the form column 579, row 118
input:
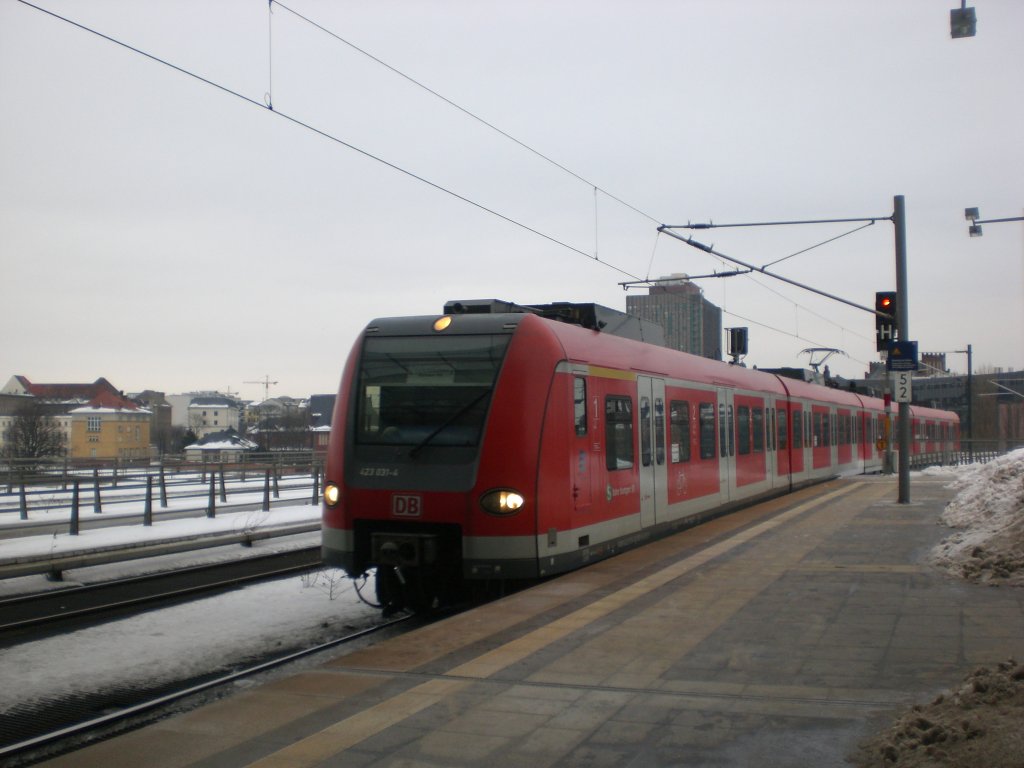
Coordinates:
column 901, row 388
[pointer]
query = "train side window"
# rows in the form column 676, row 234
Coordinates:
column 722, row 443
column 807, row 429
column 732, row 432
column 817, row 430
column 783, row 442
column 707, row 430
column 758, row 426
column 771, row 429
column 659, row 431
column 618, row 423
column 645, row 431
column 579, row 405
column 679, row 429
column 742, row 429
column 798, row 428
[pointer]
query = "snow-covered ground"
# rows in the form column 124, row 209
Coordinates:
column 206, row 634
column 177, row 642
column 200, row 636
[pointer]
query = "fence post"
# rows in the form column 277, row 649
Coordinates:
column 277, row 490
column 113, row 481
column 316, row 486
column 211, row 506
column 97, row 505
column 223, row 490
column 147, row 512
column 73, row 529
column 266, row 492
column 22, row 501
column 64, row 475
column 163, row 486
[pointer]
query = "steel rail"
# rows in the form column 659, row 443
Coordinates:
column 155, row 597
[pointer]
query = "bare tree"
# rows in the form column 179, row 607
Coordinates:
column 33, row 433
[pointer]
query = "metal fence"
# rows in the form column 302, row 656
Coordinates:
column 38, row 474
column 970, row 452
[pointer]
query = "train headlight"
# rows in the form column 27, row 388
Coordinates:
column 332, row 494
column 502, row 501
column 442, row 323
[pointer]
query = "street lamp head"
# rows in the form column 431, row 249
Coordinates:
column 963, row 22
column 975, row 230
column 971, row 214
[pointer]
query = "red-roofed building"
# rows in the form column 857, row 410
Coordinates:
column 63, row 393
column 99, row 422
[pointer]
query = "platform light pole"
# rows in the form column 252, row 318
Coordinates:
column 973, row 216
column 970, row 399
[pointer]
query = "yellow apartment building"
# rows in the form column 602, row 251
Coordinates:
column 101, row 432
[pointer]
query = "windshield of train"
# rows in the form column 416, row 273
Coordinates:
column 422, row 390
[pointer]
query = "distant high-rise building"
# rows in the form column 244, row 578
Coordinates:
column 692, row 323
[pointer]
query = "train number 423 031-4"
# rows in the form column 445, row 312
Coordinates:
column 378, row 472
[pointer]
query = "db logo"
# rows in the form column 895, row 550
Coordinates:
column 406, row 506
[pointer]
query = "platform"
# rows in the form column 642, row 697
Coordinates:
column 781, row 635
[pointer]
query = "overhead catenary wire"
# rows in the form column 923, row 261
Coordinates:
column 268, row 105
column 818, row 245
column 320, row 132
column 462, row 109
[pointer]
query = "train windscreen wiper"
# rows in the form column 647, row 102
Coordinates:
column 448, row 422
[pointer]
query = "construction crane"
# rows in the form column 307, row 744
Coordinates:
column 267, row 384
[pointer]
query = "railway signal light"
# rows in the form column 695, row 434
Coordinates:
column 885, row 319
column 737, row 343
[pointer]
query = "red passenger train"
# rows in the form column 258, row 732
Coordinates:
column 499, row 441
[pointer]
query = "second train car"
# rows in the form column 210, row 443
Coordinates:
column 504, row 442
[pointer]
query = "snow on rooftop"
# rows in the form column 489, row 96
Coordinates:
column 100, row 409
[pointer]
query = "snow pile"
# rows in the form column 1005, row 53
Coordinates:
column 988, row 512
column 977, row 724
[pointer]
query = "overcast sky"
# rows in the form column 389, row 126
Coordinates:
column 167, row 234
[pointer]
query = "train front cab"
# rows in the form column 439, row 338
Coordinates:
column 432, row 467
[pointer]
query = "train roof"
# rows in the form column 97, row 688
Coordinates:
column 605, row 337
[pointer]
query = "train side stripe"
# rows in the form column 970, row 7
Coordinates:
column 612, row 373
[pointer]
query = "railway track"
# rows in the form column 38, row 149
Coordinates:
column 27, row 616
column 29, row 735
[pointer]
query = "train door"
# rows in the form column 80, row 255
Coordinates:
column 651, row 407
column 726, row 445
column 783, row 461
